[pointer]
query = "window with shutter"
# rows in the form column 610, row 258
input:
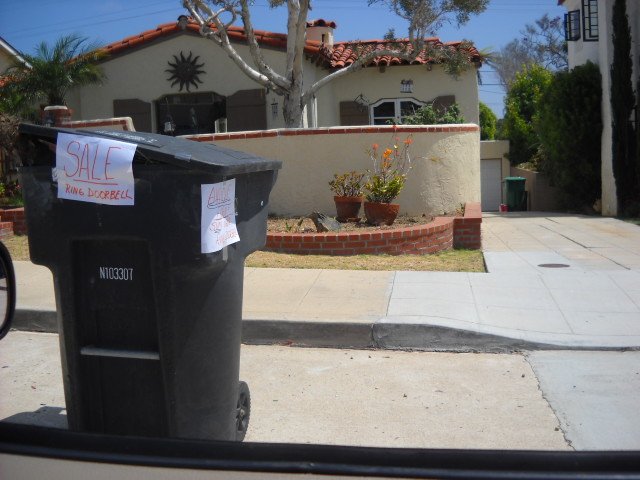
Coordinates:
column 590, row 20
column 572, row 26
column 247, row 110
column 138, row 110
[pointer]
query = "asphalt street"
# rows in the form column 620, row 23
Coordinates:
column 558, row 400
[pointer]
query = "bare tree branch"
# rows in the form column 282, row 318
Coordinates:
column 221, row 38
column 254, row 48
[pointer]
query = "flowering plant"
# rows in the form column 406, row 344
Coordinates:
column 10, row 193
column 390, row 168
column 347, row 185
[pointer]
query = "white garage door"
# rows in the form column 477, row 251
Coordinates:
column 491, row 184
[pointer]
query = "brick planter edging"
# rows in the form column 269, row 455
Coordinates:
column 15, row 216
column 433, row 237
column 466, row 230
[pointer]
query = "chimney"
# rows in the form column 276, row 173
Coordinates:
column 321, row 31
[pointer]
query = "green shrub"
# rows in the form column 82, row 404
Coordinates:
column 521, row 105
column 488, row 122
column 569, row 125
column 623, row 159
column 430, row 115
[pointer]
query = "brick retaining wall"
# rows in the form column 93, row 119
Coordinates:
column 16, row 216
column 441, row 234
column 6, row 229
column 466, row 230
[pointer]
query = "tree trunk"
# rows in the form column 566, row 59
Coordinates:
column 292, row 108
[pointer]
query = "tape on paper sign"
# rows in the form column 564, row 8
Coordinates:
column 218, row 221
column 95, row 170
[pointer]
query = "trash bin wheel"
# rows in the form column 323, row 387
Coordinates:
column 243, row 411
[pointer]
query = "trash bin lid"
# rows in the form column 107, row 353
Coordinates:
column 180, row 152
column 514, row 179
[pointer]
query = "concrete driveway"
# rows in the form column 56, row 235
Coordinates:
column 522, row 241
column 555, row 281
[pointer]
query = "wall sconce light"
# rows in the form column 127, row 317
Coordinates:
column 362, row 100
column 406, row 86
column 274, row 110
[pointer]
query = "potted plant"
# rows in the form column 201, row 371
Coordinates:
column 347, row 190
column 386, row 181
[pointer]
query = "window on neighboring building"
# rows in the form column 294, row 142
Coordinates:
column 590, row 20
column 572, row 26
column 389, row 111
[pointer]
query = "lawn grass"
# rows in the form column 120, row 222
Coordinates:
column 448, row 261
column 18, row 246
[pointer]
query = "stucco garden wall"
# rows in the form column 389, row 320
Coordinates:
column 445, row 170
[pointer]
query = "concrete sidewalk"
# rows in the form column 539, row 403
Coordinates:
column 340, row 397
column 594, row 303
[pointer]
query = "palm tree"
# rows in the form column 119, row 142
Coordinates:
column 53, row 71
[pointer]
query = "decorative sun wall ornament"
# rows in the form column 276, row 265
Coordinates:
column 185, row 71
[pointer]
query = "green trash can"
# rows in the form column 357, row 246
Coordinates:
column 514, row 193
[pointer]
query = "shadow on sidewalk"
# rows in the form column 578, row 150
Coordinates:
column 54, row 417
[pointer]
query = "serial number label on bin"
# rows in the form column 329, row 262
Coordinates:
column 116, row 273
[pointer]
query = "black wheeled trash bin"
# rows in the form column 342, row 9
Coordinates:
column 149, row 312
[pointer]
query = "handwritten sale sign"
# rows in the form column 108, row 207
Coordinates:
column 93, row 169
column 218, row 221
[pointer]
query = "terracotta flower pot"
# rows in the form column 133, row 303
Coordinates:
column 55, row 115
column 381, row 213
column 347, row 208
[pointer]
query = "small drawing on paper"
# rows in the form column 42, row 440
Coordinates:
column 218, row 221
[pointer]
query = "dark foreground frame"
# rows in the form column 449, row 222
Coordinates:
column 181, row 455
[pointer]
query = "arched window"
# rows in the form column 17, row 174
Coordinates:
column 392, row 110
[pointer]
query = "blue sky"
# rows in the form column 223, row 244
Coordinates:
column 25, row 23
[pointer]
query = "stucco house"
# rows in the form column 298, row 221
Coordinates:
column 8, row 55
column 172, row 74
column 588, row 30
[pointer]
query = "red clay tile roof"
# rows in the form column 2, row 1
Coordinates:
column 344, row 54
column 341, row 55
column 276, row 40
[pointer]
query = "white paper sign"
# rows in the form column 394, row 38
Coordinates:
column 218, row 223
column 96, row 170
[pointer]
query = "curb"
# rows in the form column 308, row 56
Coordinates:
column 383, row 336
column 33, row 320
column 308, row 334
